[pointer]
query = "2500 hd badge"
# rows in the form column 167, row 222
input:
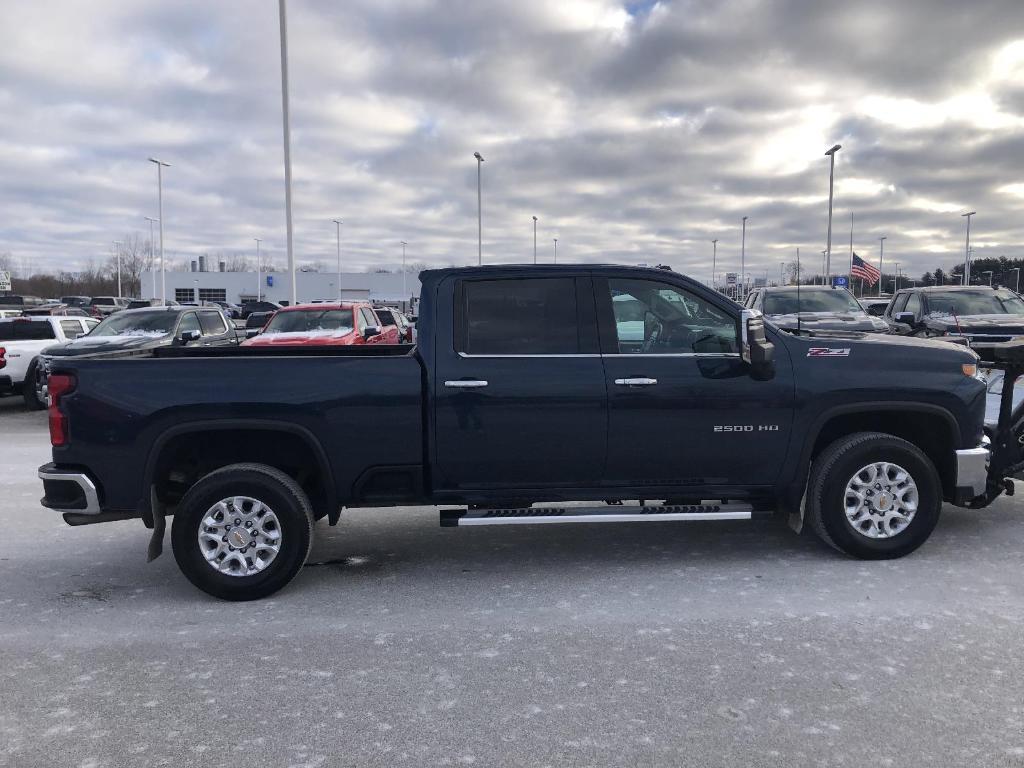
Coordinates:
column 746, row 428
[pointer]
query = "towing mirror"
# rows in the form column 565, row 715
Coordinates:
column 370, row 331
column 907, row 318
column 189, row 336
column 251, row 332
column 755, row 349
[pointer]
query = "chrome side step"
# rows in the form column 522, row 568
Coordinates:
column 602, row 514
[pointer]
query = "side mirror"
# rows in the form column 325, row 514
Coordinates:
column 907, row 318
column 755, row 349
column 370, row 331
column 189, row 336
column 250, row 332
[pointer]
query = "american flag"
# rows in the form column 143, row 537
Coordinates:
column 863, row 270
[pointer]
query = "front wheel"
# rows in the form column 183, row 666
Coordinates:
column 873, row 496
column 242, row 532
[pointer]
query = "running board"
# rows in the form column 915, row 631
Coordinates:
column 451, row 518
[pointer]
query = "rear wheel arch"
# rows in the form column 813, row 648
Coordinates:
column 221, row 442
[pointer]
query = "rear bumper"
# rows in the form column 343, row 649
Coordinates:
column 69, row 491
column 971, row 473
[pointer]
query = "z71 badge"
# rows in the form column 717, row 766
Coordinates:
column 828, row 352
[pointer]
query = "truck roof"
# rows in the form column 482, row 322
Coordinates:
column 436, row 274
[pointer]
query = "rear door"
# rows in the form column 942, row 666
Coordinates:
column 519, row 392
column 683, row 411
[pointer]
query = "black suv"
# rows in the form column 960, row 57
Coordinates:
column 978, row 312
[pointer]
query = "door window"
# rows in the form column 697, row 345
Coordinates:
column 914, row 304
column 213, row 323
column 658, row 318
column 369, row 318
column 72, row 328
column 530, row 316
column 899, row 303
column 188, row 322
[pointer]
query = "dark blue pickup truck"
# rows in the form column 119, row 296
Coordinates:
column 638, row 392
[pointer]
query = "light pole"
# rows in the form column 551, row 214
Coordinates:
column 823, row 267
column 337, row 224
column 881, row 255
column 556, row 250
column 989, row 273
column 831, row 154
column 896, row 279
column 743, row 260
column 403, row 270
column 782, row 272
column 160, row 165
column 534, row 239
column 714, row 260
column 259, row 277
column 287, row 146
column 117, row 252
column 479, row 211
column 967, row 249
column 1017, row 270
column 152, row 266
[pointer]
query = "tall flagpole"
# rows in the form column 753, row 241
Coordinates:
column 850, row 275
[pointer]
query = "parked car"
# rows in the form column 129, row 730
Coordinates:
column 976, row 313
column 231, row 310
column 76, row 301
column 101, row 306
column 520, row 392
column 256, row 321
column 812, row 308
column 875, row 305
column 22, row 339
column 324, row 325
column 55, row 310
column 146, row 303
column 258, row 306
column 21, row 302
column 391, row 317
column 4, row 313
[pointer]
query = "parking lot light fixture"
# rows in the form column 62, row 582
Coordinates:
column 743, row 258
column 714, row 261
column 403, row 270
column 286, row 123
column 967, row 248
column 831, row 154
column 556, row 250
column 117, row 253
column 989, row 273
column 881, row 255
column 152, row 265
column 259, row 277
column 160, row 165
column 479, row 211
column 1017, row 287
column 534, row 239
column 337, row 224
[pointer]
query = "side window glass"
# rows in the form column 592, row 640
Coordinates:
column 526, row 316
column 900, row 303
column 72, row 328
column 212, row 323
column 188, row 322
column 914, row 304
column 658, row 318
column 369, row 318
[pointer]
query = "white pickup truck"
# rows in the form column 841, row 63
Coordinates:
column 21, row 341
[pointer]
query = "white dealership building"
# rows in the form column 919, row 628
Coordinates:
column 239, row 287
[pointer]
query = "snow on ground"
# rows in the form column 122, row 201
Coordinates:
column 403, row 643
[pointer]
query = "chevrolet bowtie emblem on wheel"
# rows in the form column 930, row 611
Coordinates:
column 828, row 352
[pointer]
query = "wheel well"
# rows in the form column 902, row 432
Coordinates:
column 928, row 431
column 187, row 457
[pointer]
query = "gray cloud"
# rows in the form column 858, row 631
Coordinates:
column 635, row 131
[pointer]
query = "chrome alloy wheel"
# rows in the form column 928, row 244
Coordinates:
column 881, row 500
column 239, row 536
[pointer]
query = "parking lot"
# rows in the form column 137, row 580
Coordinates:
column 402, row 643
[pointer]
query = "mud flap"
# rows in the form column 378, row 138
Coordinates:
column 156, row 541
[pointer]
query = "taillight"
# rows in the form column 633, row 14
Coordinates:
column 59, row 384
column 3, row 358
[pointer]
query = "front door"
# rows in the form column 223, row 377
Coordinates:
column 683, row 410
column 519, row 398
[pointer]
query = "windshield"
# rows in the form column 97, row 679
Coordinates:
column 134, row 323
column 1000, row 302
column 786, row 302
column 332, row 322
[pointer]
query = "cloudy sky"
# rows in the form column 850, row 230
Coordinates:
column 635, row 131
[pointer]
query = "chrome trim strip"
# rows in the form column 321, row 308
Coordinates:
column 465, row 384
column 92, row 499
column 467, row 355
column 636, row 382
column 615, row 518
column 613, row 354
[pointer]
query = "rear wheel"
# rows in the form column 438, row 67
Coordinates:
column 242, row 532
column 873, row 496
column 33, row 390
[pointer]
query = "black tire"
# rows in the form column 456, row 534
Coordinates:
column 826, row 494
column 30, row 388
column 273, row 488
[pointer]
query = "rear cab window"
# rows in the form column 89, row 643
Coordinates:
column 26, row 330
column 213, row 323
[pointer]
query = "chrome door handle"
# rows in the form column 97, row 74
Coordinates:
column 465, row 383
column 636, row 382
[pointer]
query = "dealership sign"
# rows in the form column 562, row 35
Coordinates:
column 5, row 281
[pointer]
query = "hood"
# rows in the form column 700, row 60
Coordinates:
column 979, row 323
column 302, row 338
column 100, row 345
column 830, row 321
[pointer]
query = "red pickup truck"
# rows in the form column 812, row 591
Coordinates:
column 324, row 325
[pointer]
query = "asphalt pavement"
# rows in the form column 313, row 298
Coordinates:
column 402, row 643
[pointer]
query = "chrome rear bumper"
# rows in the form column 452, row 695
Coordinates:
column 62, row 497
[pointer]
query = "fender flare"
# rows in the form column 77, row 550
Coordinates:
column 265, row 425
